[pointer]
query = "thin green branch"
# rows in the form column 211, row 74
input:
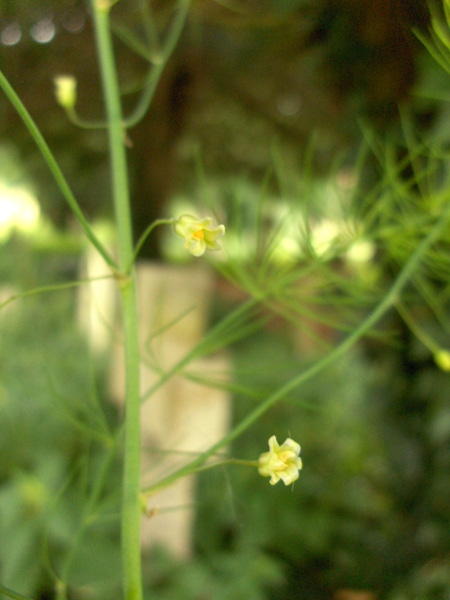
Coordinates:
column 78, row 121
column 159, row 65
column 390, row 299
column 415, row 328
column 149, row 24
column 7, row 593
column 88, row 510
column 54, row 168
column 57, row 287
column 144, row 236
column 218, row 332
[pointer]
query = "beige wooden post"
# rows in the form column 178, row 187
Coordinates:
column 182, row 417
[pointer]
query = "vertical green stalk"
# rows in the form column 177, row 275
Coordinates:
column 131, row 513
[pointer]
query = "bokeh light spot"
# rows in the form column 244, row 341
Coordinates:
column 43, row 31
column 11, row 35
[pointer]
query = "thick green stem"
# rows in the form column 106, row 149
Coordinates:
column 131, row 508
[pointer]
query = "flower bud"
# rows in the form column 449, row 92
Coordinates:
column 66, row 91
column 442, row 359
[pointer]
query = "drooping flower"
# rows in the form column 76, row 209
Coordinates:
column 198, row 234
column 66, row 91
column 281, row 462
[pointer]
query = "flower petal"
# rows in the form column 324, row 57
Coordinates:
column 197, row 234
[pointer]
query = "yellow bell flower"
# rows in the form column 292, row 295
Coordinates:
column 281, row 462
column 197, row 234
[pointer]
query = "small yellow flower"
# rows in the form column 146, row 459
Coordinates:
column 198, row 235
column 442, row 359
column 281, row 462
column 66, row 91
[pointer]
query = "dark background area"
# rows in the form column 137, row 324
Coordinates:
column 239, row 79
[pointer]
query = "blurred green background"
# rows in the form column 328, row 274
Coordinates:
column 264, row 105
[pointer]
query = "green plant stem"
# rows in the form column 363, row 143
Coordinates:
column 420, row 334
column 145, row 235
column 7, row 593
column 148, row 22
column 52, row 288
column 131, row 507
column 54, row 168
column 390, row 299
column 158, row 66
column 78, row 121
column 88, row 511
column 147, row 493
column 202, row 348
column 229, row 461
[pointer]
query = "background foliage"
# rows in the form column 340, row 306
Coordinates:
column 296, row 122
